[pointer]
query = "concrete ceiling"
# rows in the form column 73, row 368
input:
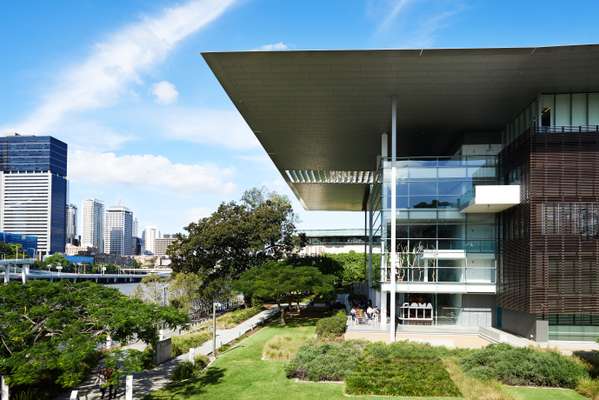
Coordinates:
column 326, row 110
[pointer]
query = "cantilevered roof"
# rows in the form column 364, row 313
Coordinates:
column 320, row 114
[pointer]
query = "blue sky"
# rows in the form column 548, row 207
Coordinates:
column 148, row 125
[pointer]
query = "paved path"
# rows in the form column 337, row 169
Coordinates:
column 147, row 381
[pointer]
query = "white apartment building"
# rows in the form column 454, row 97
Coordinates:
column 118, row 231
column 150, row 234
column 93, row 224
column 72, row 223
column 26, row 206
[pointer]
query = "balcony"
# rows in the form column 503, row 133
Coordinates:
column 443, row 280
column 490, row 198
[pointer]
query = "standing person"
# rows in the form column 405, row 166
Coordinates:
column 101, row 381
column 353, row 315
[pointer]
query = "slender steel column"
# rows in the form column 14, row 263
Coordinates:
column 384, row 208
column 393, row 250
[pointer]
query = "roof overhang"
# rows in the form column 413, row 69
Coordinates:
column 325, row 110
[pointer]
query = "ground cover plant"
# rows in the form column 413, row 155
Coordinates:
column 588, row 387
column 332, row 327
column 325, row 361
column 187, row 369
column 524, row 366
column 182, row 343
column 400, row 369
column 233, row 318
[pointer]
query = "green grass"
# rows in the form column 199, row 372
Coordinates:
column 240, row 373
column 527, row 393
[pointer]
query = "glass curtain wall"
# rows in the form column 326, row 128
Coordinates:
column 430, row 194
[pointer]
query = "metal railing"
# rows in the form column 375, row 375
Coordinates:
column 566, row 129
column 474, row 275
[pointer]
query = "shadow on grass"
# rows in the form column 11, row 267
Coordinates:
column 189, row 387
column 306, row 317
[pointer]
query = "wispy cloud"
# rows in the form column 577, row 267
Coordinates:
column 394, row 9
column 118, row 61
column 412, row 23
column 273, row 47
column 165, row 92
column 149, row 171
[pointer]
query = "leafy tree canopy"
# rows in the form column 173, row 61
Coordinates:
column 220, row 247
column 279, row 282
column 50, row 331
column 348, row 268
column 10, row 250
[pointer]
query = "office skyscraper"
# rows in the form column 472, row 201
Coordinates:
column 33, row 189
column 118, row 229
column 93, row 224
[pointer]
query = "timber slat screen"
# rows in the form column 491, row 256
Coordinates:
column 549, row 244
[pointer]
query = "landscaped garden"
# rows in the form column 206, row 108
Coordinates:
column 290, row 362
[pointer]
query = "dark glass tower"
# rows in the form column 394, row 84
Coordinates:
column 27, row 163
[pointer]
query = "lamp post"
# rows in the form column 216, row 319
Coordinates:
column 214, row 328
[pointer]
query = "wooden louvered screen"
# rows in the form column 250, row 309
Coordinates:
column 554, row 268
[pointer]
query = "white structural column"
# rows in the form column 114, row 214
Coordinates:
column 383, row 266
column 393, row 250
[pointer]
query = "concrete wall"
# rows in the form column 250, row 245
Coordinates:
column 477, row 310
column 163, row 351
column 525, row 325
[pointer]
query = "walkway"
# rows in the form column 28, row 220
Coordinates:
column 148, row 381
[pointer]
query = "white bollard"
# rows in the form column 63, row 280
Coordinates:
column 108, row 342
column 74, row 395
column 129, row 388
column 23, row 275
column 6, row 273
column 192, row 356
column 4, row 389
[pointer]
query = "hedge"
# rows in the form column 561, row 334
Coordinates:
column 332, row 327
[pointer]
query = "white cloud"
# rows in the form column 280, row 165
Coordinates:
column 103, row 76
column 149, row 171
column 207, row 126
column 273, row 47
column 165, row 92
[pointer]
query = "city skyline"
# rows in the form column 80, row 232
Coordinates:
column 173, row 147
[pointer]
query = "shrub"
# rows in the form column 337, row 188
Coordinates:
column 400, row 369
column 589, row 388
column 282, row 347
column 332, row 327
column 316, row 361
column 182, row 344
column 187, row 369
column 524, row 366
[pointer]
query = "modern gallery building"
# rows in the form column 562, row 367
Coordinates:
column 477, row 171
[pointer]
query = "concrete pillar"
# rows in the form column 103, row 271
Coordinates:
column 129, row 387
column 3, row 389
column 192, row 355
column 383, row 309
column 393, row 250
column 74, row 395
column 6, row 273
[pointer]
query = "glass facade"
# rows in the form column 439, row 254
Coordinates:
column 33, row 154
column 28, row 243
column 439, row 243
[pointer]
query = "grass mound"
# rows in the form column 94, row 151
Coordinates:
column 282, row 347
column 400, row 370
column 524, row 366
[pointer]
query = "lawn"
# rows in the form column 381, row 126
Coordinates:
column 526, row 393
column 241, row 373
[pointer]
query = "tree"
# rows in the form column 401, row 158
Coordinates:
column 236, row 236
column 151, row 289
column 56, row 259
column 50, row 332
column 10, row 250
column 183, row 292
column 283, row 283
